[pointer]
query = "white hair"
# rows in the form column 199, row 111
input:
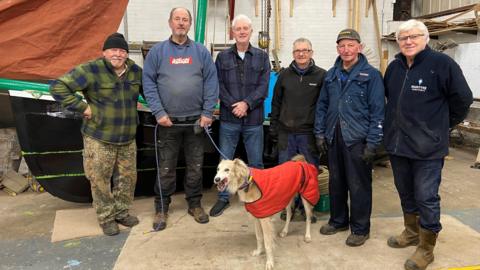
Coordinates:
column 302, row 40
column 413, row 24
column 241, row 17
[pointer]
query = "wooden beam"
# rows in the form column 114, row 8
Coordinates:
column 368, row 3
column 377, row 28
column 334, row 8
column 357, row 16
column 291, row 8
column 446, row 12
column 350, row 13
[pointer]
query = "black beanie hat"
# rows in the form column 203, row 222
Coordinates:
column 115, row 40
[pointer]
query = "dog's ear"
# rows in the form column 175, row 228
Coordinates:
column 237, row 161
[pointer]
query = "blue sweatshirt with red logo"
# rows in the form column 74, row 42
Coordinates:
column 180, row 80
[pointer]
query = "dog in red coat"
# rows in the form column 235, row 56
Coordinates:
column 267, row 192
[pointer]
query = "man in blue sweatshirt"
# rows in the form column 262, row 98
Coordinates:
column 181, row 88
column 427, row 95
column 349, row 118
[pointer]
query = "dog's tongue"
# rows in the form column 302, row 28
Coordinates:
column 221, row 186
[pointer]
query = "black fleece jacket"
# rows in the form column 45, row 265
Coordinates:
column 294, row 99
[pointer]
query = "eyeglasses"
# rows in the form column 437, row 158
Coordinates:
column 302, row 51
column 411, row 37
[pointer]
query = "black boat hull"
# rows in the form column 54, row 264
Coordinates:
column 52, row 145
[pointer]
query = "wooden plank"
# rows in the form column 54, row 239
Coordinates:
column 291, row 8
column 334, row 8
column 435, row 5
column 445, row 12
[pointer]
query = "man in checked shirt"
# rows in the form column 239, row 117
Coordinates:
column 111, row 86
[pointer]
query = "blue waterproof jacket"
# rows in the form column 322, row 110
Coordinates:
column 423, row 102
column 243, row 80
column 358, row 106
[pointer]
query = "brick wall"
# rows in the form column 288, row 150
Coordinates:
column 147, row 20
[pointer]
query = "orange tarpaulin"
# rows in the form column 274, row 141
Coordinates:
column 43, row 39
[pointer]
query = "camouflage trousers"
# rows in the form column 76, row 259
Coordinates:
column 112, row 172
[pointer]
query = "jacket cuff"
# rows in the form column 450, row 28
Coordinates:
column 208, row 114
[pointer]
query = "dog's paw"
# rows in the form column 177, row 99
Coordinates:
column 307, row 239
column 269, row 265
column 282, row 234
column 257, row 252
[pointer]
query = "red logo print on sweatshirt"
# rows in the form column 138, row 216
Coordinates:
column 181, row 60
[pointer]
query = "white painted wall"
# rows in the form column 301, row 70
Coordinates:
column 147, row 20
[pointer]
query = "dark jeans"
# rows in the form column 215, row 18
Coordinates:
column 303, row 144
column 170, row 140
column 417, row 183
column 349, row 173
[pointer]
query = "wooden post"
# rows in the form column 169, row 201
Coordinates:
column 367, row 7
column 350, row 13
column 277, row 24
column 334, row 8
column 357, row 16
column 377, row 28
column 291, row 8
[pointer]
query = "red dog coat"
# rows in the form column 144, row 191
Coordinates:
column 279, row 184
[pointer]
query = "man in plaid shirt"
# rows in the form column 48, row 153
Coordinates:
column 111, row 86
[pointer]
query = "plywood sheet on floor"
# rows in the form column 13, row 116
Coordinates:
column 227, row 241
column 76, row 223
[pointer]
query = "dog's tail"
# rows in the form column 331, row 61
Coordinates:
column 300, row 158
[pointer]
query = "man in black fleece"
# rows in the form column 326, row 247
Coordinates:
column 293, row 105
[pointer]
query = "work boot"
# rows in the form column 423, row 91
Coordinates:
column 355, row 240
column 160, row 221
column 219, row 207
column 128, row 221
column 110, row 228
column 423, row 256
column 328, row 229
column 198, row 214
column 409, row 236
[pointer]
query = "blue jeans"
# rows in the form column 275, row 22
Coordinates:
column 303, row 144
column 417, row 183
column 252, row 139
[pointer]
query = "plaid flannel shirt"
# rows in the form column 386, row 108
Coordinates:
column 112, row 99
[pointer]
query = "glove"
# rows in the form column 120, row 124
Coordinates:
column 272, row 132
column 368, row 155
column 321, row 145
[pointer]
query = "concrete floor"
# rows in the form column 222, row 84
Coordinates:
column 27, row 220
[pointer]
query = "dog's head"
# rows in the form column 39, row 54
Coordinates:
column 230, row 174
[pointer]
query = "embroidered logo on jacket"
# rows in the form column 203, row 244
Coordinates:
column 181, row 60
column 419, row 87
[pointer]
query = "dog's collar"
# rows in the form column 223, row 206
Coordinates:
column 247, row 180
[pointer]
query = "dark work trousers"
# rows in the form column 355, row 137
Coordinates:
column 170, row 140
column 417, row 183
column 349, row 173
column 291, row 144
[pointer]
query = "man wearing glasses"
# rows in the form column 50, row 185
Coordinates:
column 293, row 105
column 348, row 121
column 426, row 96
